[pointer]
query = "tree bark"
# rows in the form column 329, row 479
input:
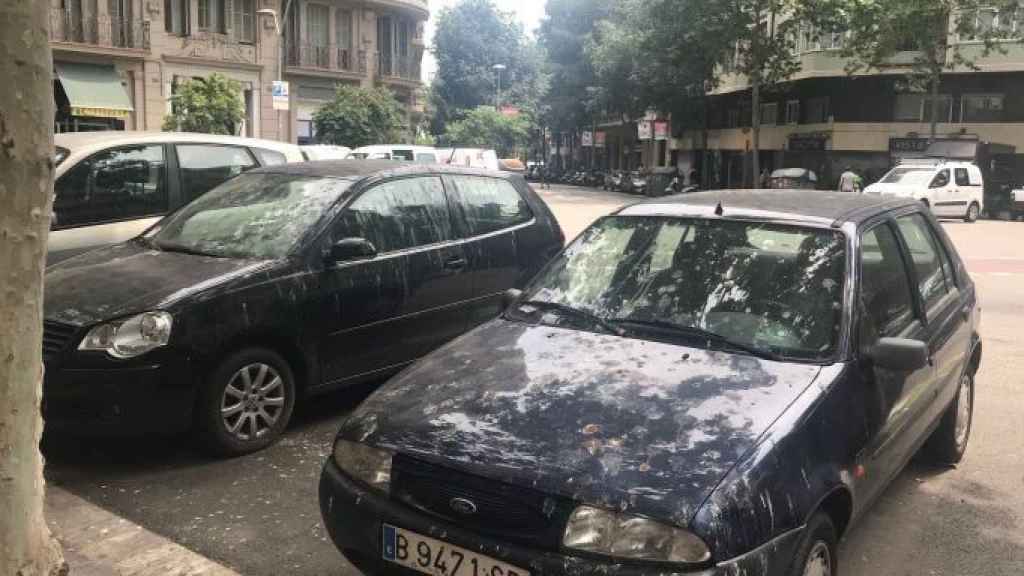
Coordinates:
column 26, row 191
column 755, row 102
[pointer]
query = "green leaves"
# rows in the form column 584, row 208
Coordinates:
column 485, row 127
column 360, row 117
column 210, row 105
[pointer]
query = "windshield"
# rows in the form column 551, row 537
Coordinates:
column 766, row 286
column 250, row 216
column 912, row 176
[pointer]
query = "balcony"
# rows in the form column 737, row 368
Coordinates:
column 420, row 7
column 326, row 59
column 101, row 31
column 404, row 69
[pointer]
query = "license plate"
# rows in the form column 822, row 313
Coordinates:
column 430, row 556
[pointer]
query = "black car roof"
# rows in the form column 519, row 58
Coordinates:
column 809, row 206
column 359, row 169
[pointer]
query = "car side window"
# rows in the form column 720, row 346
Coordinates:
column 489, row 204
column 203, row 167
column 934, row 271
column 271, row 157
column 400, row 214
column 885, row 285
column 116, row 184
column 961, row 177
column 941, row 179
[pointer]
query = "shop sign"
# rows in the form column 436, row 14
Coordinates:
column 643, row 130
column 279, row 92
column 808, row 142
column 908, row 145
column 661, row 130
column 587, row 139
column 599, row 139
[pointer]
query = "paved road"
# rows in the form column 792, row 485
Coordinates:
column 258, row 514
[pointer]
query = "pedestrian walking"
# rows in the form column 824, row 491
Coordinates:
column 544, row 179
column 850, row 181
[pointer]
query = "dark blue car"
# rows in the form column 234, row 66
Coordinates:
column 718, row 383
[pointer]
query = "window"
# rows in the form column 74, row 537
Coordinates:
column 400, row 214
column 961, row 177
column 918, row 108
column 343, row 30
column 204, row 166
column 817, row 110
column 770, row 114
column 116, row 184
column 993, row 23
column 211, row 15
column 733, row 120
column 489, row 204
column 176, row 17
column 793, row 112
column 941, row 179
column 885, row 286
column 244, row 21
column 318, row 34
column 270, row 157
column 932, row 268
column 982, row 108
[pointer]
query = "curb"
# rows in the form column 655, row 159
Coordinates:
column 99, row 543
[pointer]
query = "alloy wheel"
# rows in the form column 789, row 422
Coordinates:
column 819, row 561
column 972, row 212
column 964, row 401
column 253, row 401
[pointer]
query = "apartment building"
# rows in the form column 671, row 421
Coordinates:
column 117, row 62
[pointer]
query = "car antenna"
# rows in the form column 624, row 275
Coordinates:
column 718, row 209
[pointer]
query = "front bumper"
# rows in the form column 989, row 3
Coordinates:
column 353, row 516
column 141, row 397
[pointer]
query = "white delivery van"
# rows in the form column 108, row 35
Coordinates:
column 401, row 152
column 950, row 189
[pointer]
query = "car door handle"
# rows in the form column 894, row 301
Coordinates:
column 455, row 263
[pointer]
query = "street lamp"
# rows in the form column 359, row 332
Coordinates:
column 497, row 98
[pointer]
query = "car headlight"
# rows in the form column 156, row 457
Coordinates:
column 624, row 536
column 130, row 337
column 370, row 466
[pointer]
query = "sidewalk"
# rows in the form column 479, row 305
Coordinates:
column 98, row 543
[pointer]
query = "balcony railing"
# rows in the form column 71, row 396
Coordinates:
column 327, row 58
column 398, row 67
column 98, row 30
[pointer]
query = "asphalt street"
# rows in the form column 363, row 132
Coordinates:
column 258, row 514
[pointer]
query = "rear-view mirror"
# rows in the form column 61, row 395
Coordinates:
column 900, row 354
column 350, row 249
column 510, row 297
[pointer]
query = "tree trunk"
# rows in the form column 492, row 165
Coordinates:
column 934, row 128
column 26, row 191
column 755, row 102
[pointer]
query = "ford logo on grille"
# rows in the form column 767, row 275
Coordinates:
column 462, row 506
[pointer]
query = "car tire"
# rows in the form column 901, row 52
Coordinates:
column 973, row 212
column 816, row 553
column 254, row 412
column 948, row 442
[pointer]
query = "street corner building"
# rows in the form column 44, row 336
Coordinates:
column 118, row 62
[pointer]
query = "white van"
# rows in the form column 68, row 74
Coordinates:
column 470, row 158
column 407, row 153
column 950, row 189
column 314, row 152
column 111, row 186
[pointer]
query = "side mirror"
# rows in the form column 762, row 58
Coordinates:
column 900, row 354
column 350, row 249
column 509, row 297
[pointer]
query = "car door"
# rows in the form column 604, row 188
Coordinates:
column 939, row 193
column 960, row 192
column 203, row 167
column 887, row 308
column 493, row 216
column 948, row 323
column 410, row 297
column 109, row 197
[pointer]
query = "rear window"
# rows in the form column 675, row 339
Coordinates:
column 489, row 204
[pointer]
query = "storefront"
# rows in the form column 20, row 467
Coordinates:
column 90, row 98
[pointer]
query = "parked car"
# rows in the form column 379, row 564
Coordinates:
column 613, row 180
column 792, row 179
column 469, row 157
column 950, row 189
column 1017, row 203
column 110, row 186
column 512, row 165
column 314, row 152
column 417, row 154
column 282, row 282
column 634, row 182
column 717, row 383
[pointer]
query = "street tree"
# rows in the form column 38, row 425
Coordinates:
column 360, row 117
column 211, row 105
column 919, row 37
column 486, row 127
column 26, row 191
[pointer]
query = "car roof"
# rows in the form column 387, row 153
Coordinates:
column 389, row 147
column 76, row 141
column 359, row 169
column 799, row 206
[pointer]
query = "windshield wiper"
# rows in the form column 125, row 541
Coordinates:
column 181, row 248
column 569, row 310
column 699, row 334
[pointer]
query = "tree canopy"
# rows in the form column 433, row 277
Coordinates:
column 485, row 127
column 211, row 105
column 360, row 117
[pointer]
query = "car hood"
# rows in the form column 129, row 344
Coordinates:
column 129, row 278
column 609, row 421
column 901, row 190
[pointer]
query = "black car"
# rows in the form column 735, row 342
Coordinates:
column 718, row 383
column 284, row 281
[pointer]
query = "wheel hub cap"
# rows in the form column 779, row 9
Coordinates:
column 819, row 561
column 963, row 410
column 253, row 401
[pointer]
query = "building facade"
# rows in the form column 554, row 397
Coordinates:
column 117, row 62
